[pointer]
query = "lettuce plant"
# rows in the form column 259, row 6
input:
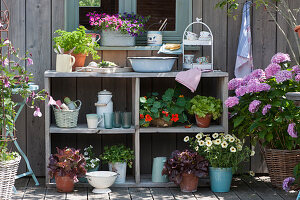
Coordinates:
column 67, row 162
column 185, row 162
column 202, row 106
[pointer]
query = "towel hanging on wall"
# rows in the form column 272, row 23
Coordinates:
column 244, row 60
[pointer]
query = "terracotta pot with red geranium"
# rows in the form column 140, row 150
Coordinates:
column 205, row 108
column 65, row 166
column 185, row 168
column 165, row 111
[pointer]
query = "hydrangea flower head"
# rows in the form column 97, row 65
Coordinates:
column 296, row 69
column 291, row 130
column 297, row 77
column 235, row 83
column 254, row 105
column 241, row 91
column 231, row 101
column 280, row 58
column 283, row 75
column 258, row 74
column 266, row 109
column 272, row 70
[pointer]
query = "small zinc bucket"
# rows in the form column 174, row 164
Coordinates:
column 220, row 179
column 158, row 165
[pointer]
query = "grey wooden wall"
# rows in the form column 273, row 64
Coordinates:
column 32, row 25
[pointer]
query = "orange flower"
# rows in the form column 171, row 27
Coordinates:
column 141, row 116
column 181, row 96
column 166, row 113
column 174, row 117
column 148, row 118
column 145, row 97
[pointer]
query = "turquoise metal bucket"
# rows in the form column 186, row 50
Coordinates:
column 220, row 179
column 158, row 165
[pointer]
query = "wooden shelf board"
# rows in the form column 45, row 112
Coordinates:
column 140, row 48
column 182, row 129
column 145, row 182
column 82, row 128
column 54, row 74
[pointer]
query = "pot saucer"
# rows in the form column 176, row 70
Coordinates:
column 101, row 191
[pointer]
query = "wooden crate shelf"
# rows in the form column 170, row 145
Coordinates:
column 135, row 130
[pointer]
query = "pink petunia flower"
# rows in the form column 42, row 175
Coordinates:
column 37, row 112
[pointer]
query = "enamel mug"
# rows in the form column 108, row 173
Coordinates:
column 64, row 62
column 95, row 36
column 154, row 38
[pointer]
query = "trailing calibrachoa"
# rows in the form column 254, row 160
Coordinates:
column 170, row 107
column 260, row 109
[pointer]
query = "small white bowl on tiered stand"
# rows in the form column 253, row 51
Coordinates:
column 101, row 181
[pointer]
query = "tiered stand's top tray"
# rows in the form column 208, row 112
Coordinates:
column 54, row 74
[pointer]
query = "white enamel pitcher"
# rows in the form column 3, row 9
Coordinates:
column 104, row 105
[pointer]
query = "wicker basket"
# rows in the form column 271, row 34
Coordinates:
column 281, row 164
column 8, row 171
column 67, row 118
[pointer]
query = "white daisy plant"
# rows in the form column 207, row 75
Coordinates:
column 92, row 162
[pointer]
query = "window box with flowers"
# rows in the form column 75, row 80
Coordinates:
column 165, row 111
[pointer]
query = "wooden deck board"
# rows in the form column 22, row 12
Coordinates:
column 244, row 188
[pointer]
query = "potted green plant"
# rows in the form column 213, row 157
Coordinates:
column 14, row 80
column 224, row 153
column 260, row 109
column 118, row 29
column 65, row 166
column 164, row 111
column 118, row 157
column 205, row 108
column 185, row 168
column 92, row 162
column 77, row 41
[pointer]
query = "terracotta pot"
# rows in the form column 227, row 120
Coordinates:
column 203, row 122
column 160, row 122
column 189, row 183
column 79, row 60
column 297, row 29
column 64, row 184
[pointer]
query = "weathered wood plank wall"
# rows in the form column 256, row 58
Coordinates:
column 32, row 25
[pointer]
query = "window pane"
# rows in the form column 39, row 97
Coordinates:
column 107, row 6
column 90, row 3
column 158, row 10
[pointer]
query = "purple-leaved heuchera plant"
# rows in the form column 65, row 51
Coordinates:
column 185, row 162
column 260, row 109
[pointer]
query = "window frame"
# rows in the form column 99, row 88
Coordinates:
column 130, row 6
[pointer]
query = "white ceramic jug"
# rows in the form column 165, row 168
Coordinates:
column 104, row 104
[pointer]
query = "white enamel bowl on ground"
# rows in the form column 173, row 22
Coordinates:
column 152, row 64
column 101, row 180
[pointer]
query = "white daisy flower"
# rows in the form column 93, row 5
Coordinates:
column 201, row 143
column 208, row 143
column 251, row 173
column 217, row 141
column 199, row 136
column 224, row 144
column 92, row 165
column 232, row 149
column 239, row 147
column 186, row 139
column 197, row 148
column 215, row 135
column 227, row 136
column 252, row 153
column 86, row 153
column 231, row 139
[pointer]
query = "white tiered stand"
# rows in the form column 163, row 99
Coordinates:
column 200, row 42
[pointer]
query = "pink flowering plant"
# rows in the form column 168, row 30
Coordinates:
column 14, row 80
column 260, row 109
column 126, row 23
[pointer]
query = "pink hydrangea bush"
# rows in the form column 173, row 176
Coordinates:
column 260, row 109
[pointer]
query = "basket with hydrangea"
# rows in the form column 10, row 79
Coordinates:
column 224, row 153
column 261, row 110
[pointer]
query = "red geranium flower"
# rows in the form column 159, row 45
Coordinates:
column 174, row 117
column 148, row 118
column 141, row 116
column 166, row 113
